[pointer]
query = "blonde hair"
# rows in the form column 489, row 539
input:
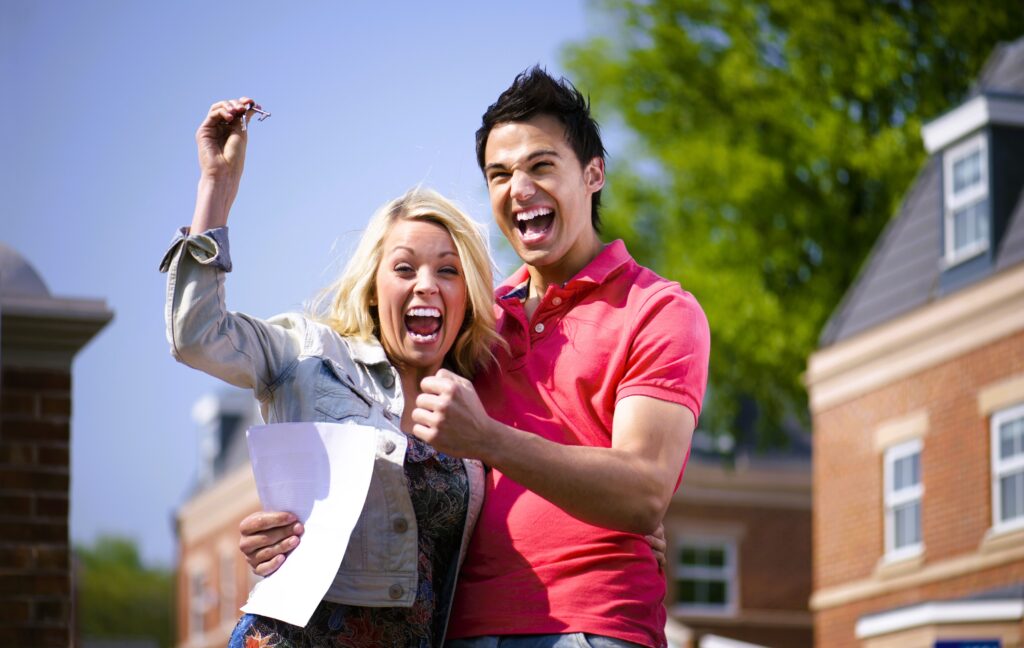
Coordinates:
column 346, row 304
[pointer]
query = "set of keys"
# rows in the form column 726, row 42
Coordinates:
column 260, row 114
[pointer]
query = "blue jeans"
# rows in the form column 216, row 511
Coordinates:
column 571, row 640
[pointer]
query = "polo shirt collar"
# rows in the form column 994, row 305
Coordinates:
column 608, row 261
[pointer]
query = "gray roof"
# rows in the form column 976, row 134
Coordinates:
column 903, row 270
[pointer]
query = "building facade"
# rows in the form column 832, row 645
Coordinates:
column 917, row 399
column 739, row 548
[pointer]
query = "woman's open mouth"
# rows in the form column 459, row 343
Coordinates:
column 423, row 324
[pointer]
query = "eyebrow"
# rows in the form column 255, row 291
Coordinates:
column 531, row 156
column 408, row 249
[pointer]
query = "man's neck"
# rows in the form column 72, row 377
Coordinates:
column 558, row 274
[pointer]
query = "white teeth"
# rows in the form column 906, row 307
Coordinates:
column 533, row 213
column 424, row 312
column 423, row 338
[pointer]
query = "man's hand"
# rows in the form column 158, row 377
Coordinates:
column 267, row 537
column 450, row 417
column 658, row 546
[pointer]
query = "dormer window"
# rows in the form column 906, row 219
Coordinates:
column 966, row 199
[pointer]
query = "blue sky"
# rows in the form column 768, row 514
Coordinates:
column 101, row 101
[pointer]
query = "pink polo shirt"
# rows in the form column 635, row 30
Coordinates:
column 615, row 330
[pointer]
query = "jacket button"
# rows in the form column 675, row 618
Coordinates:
column 539, row 328
column 395, row 591
column 389, row 447
column 557, row 301
column 400, row 525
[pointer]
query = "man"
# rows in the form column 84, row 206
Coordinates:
column 585, row 419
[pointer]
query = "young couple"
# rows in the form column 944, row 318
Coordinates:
column 527, row 441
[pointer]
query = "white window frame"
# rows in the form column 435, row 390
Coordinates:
column 200, row 599
column 952, row 202
column 1003, row 467
column 892, row 499
column 729, row 573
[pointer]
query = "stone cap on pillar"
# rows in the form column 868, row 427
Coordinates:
column 38, row 330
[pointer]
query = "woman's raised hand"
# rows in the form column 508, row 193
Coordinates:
column 221, row 140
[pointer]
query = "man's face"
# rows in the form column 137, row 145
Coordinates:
column 541, row 195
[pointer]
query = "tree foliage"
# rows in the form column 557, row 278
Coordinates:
column 119, row 597
column 772, row 140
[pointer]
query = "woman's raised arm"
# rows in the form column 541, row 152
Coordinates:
column 221, row 140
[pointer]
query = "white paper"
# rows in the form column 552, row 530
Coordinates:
column 321, row 473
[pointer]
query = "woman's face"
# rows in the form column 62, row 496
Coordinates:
column 421, row 295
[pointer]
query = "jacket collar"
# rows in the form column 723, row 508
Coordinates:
column 367, row 352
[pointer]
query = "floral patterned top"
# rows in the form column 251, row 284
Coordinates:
column 439, row 489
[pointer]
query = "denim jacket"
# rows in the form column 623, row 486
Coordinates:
column 301, row 370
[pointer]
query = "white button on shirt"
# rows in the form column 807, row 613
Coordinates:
column 557, row 301
column 539, row 328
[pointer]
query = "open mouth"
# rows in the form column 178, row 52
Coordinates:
column 423, row 323
column 535, row 223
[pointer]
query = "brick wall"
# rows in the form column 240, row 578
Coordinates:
column 848, row 527
column 35, row 580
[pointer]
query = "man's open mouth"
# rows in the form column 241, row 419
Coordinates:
column 534, row 223
column 423, row 323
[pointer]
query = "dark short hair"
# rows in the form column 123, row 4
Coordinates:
column 535, row 92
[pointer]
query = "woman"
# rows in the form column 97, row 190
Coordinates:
column 416, row 296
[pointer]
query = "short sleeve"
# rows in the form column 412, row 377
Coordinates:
column 668, row 356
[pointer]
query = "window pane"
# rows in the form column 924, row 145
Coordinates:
column 907, row 525
column 703, row 592
column 906, row 471
column 688, row 556
column 967, row 172
column 716, row 593
column 687, row 591
column 1012, row 491
column 716, row 558
column 1011, row 438
column 970, row 224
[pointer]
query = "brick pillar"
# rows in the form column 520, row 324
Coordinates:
column 35, row 579
column 39, row 337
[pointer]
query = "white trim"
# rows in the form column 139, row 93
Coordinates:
column 1002, row 467
column 939, row 613
column 969, row 117
column 907, row 495
column 714, row 641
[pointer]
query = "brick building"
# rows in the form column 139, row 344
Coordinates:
column 213, row 578
column 739, row 538
column 917, row 398
column 39, row 337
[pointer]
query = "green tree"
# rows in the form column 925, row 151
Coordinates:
column 119, row 597
column 770, row 143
